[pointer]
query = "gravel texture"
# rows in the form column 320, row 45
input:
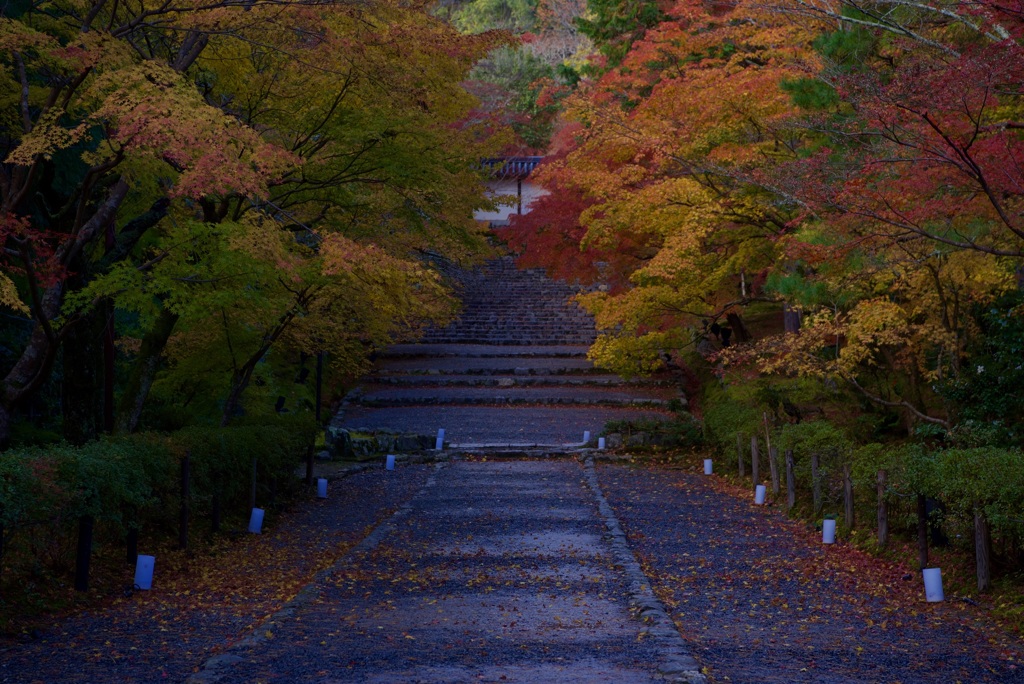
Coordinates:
column 500, row 572
column 167, row 633
column 760, row 599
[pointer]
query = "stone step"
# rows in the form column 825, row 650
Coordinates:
column 485, row 350
column 373, row 394
column 503, row 340
column 512, row 380
column 489, row 365
column 547, row 425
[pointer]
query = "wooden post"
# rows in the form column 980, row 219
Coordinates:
column 773, row 465
column 183, row 522
column 309, row 464
column 217, row 513
column 109, row 334
column 848, row 496
column 755, row 461
column 132, row 545
column 883, row 510
column 790, row 481
column 982, row 549
column 252, row 488
column 83, row 555
column 922, row 530
column 319, row 385
column 739, row 451
column 816, row 482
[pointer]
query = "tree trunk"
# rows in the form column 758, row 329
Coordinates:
column 83, row 555
column 982, row 550
column 36, row 360
column 5, row 427
column 791, row 318
column 243, row 374
column 739, row 452
column 883, row 510
column 144, row 371
column 922, row 530
column 132, row 545
column 252, row 489
column 848, row 496
column 773, row 466
column 755, row 461
column 790, row 481
column 816, row 482
column 185, row 496
column 82, row 386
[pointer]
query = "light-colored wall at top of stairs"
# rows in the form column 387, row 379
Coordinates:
column 531, row 192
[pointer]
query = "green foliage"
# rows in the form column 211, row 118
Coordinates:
column 849, row 50
column 682, row 431
column 478, row 16
column 987, row 478
column 815, row 437
column 729, row 411
column 987, row 396
column 614, row 25
column 810, row 93
column 523, row 75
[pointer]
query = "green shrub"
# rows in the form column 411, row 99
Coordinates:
column 728, row 411
column 682, row 431
column 134, row 480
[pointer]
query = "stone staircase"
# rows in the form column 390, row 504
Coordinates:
column 503, row 305
column 510, row 372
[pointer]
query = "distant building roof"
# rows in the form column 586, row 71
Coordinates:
column 511, row 167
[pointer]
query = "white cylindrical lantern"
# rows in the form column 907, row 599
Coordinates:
column 828, row 531
column 759, row 494
column 144, row 572
column 600, row 442
column 390, row 462
column 586, row 436
column 439, row 444
column 256, row 521
column 707, row 466
column 933, row 585
column 321, row 488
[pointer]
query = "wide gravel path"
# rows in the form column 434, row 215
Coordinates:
column 759, row 598
column 496, row 572
column 509, row 571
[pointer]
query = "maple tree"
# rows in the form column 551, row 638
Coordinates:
column 143, row 128
column 908, row 191
column 663, row 156
column 857, row 164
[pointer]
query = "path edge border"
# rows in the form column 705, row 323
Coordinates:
column 677, row 664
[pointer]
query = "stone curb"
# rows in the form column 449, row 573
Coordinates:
column 677, row 665
column 215, row 668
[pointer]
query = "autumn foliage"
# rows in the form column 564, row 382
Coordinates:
column 859, row 168
column 235, row 184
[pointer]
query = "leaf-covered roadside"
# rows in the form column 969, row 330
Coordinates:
column 761, row 599
column 199, row 605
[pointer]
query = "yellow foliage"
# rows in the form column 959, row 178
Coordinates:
column 47, row 136
column 9, row 296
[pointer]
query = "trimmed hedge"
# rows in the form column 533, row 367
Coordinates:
column 135, row 480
